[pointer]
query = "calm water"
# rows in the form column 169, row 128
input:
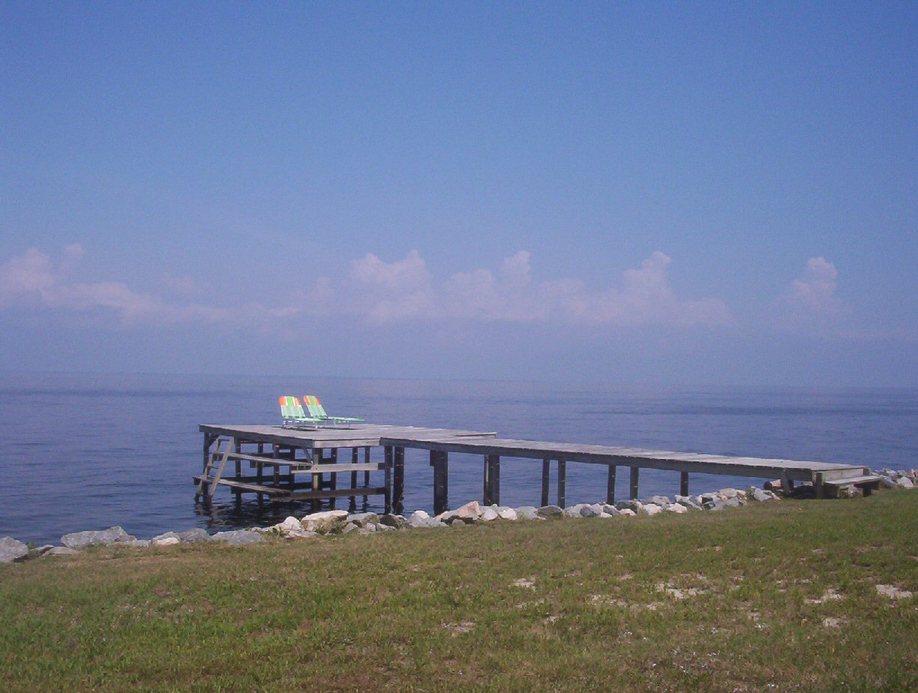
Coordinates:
column 86, row 452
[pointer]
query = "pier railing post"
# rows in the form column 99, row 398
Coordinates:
column 635, row 474
column 546, row 472
column 683, row 483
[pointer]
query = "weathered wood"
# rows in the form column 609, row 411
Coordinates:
column 491, row 494
column 647, row 459
column 329, row 467
column 357, row 435
column 633, row 486
column 286, row 444
column 440, row 464
column 562, row 482
column 398, row 479
column 683, row 483
column 354, row 460
column 328, row 493
column 610, row 485
column 387, row 484
column 215, row 480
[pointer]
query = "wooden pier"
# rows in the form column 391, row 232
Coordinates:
column 287, row 464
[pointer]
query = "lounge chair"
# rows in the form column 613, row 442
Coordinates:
column 293, row 415
column 317, row 411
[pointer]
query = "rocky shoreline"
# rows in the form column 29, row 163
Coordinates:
column 332, row 522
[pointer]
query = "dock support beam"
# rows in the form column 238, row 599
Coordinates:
column 387, row 506
column 610, row 485
column 635, row 473
column 683, row 483
column 398, row 480
column 546, row 471
column 562, row 482
column 492, row 480
column 440, row 463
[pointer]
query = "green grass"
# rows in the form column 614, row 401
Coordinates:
column 438, row 609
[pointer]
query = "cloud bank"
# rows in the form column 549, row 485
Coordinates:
column 810, row 299
column 382, row 292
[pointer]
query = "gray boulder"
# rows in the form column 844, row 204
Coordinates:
column 591, row 510
column 572, row 511
column 527, row 512
column 631, row 504
column 662, row 501
column 327, row 522
column 506, row 513
column 689, row 502
column 238, row 537
column 905, row 482
column 166, row 539
column 144, row 543
column 394, row 521
column 489, row 515
column 420, row 519
column 193, row 536
column 12, row 550
column 887, row 481
column 549, row 512
column 80, row 540
column 40, row 551
column 470, row 512
column 363, row 519
column 760, row 495
column 60, row 551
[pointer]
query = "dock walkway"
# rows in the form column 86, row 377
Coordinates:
column 301, row 453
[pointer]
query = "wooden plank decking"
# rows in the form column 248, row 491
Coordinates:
column 285, row 442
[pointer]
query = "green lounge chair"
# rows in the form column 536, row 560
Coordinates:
column 317, row 411
column 292, row 413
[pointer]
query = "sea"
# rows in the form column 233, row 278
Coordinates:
column 82, row 451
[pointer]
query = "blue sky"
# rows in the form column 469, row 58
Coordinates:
column 675, row 193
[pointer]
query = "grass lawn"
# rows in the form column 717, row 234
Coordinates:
column 779, row 595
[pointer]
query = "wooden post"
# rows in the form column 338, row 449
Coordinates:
column 209, row 439
column 387, row 466
column 354, row 460
column 635, row 472
column 398, row 480
column 610, row 485
column 237, row 494
column 683, row 483
column 562, row 481
column 366, row 473
column 491, row 479
column 333, row 477
column 439, row 462
column 546, row 471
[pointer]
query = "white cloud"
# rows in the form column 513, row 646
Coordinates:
column 405, row 289
column 34, row 280
column 812, row 295
column 378, row 292
column 390, row 291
